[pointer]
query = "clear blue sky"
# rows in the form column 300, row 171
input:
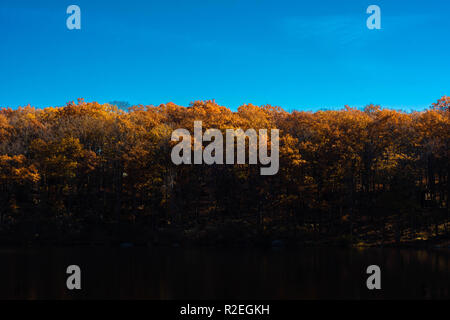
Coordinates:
column 295, row 54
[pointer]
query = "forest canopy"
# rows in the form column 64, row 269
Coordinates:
column 89, row 163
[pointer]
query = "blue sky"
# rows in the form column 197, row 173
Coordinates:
column 303, row 55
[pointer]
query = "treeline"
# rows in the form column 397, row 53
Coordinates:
column 371, row 175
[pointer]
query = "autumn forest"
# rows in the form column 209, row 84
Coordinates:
column 90, row 173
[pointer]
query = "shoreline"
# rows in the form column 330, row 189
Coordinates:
column 264, row 244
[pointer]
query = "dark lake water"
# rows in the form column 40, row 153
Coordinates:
column 179, row 273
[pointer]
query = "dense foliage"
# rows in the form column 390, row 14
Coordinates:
column 363, row 175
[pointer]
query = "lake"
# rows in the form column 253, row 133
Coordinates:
column 180, row 273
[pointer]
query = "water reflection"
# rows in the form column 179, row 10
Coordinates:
column 177, row 273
